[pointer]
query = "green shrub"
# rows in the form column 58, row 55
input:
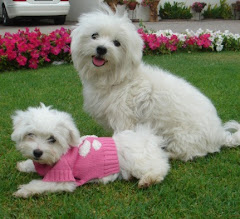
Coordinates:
column 223, row 11
column 176, row 11
column 212, row 12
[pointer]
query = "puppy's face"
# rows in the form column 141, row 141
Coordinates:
column 43, row 134
column 103, row 45
column 42, row 147
column 101, row 48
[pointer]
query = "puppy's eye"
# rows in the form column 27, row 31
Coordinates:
column 30, row 135
column 51, row 140
column 116, row 43
column 95, row 36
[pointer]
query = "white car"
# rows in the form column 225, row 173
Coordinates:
column 56, row 9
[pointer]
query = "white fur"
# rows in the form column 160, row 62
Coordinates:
column 39, row 187
column 26, row 166
column 126, row 92
column 140, row 153
column 141, row 156
column 33, row 128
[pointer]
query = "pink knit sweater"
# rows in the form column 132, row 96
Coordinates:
column 95, row 158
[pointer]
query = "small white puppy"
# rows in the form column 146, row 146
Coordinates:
column 51, row 141
column 120, row 91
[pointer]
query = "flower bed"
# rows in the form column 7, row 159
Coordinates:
column 165, row 41
column 26, row 49
column 29, row 49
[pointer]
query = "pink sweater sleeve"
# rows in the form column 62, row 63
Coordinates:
column 42, row 169
column 61, row 172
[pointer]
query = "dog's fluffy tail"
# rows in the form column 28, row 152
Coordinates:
column 232, row 134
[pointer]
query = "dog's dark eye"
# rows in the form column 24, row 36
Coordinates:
column 51, row 140
column 95, row 36
column 30, row 135
column 116, row 43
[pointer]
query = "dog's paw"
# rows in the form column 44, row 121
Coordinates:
column 147, row 181
column 26, row 166
column 23, row 192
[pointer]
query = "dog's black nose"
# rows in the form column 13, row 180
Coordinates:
column 37, row 153
column 101, row 50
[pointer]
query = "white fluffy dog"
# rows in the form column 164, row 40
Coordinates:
column 120, row 91
column 49, row 138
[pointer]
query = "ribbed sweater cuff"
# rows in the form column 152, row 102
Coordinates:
column 111, row 163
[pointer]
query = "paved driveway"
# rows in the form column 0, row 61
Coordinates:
column 179, row 25
column 175, row 25
column 45, row 26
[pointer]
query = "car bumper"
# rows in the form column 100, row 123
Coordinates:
column 26, row 9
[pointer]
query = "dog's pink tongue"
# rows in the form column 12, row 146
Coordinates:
column 98, row 61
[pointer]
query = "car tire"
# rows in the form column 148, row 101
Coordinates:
column 60, row 20
column 5, row 19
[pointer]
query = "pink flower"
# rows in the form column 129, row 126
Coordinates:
column 140, row 31
column 174, row 38
column 55, row 50
column 11, row 55
column 44, row 55
column 33, row 63
column 37, row 30
column 153, row 41
column 2, row 53
column 22, row 47
column 205, row 40
column 35, row 54
column 46, row 46
column 66, row 49
column 22, row 60
column 67, row 39
column 31, row 47
column 190, row 41
column 46, row 59
column 172, row 48
column 60, row 42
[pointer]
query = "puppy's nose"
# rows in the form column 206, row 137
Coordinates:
column 101, row 50
column 37, row 153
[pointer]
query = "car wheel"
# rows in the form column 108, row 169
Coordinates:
column 59, row 20
column 5, row 19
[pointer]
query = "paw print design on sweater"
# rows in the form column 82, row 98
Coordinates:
column 86, row 147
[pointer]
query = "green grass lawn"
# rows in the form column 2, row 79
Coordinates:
column 207, row 187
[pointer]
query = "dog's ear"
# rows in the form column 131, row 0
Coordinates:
column 134, row 42
column 104, row 7
column 72, row 134
column 18, row 125
column 136, row 56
